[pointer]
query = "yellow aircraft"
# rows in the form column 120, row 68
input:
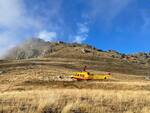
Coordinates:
column 84, row 75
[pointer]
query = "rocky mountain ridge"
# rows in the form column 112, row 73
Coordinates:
column 38, row 48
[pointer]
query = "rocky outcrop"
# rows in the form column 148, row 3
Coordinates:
column 35, row 48
column 31, row 48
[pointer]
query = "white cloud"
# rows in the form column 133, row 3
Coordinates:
column 11, row 17
column 107, row 10
column 100, row 10
column 10, row 12
column 83, row 28
column 6, row 42
column 48, row 36
column 146, row 22
column 82, row 33
column 79, row 38
column 13, row 21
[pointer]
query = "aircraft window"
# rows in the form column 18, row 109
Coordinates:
column 82, row 75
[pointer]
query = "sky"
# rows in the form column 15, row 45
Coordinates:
column 122, row 25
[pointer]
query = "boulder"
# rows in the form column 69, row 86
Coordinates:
column 1, row 72
column 85, row 50
column 147, row 78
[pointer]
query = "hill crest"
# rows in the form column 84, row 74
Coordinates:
column 38, row 48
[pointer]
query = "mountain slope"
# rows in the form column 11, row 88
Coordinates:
column 35, row 47
column 97, row 59
column 38, row 48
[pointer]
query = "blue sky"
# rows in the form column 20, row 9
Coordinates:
column 122, row 25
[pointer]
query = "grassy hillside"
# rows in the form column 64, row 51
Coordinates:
column 37, row 80
column 34, row 86
column 94, row 58
column 75, row 101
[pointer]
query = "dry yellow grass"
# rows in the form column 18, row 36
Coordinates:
column 34, row 86
column 75, row 101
